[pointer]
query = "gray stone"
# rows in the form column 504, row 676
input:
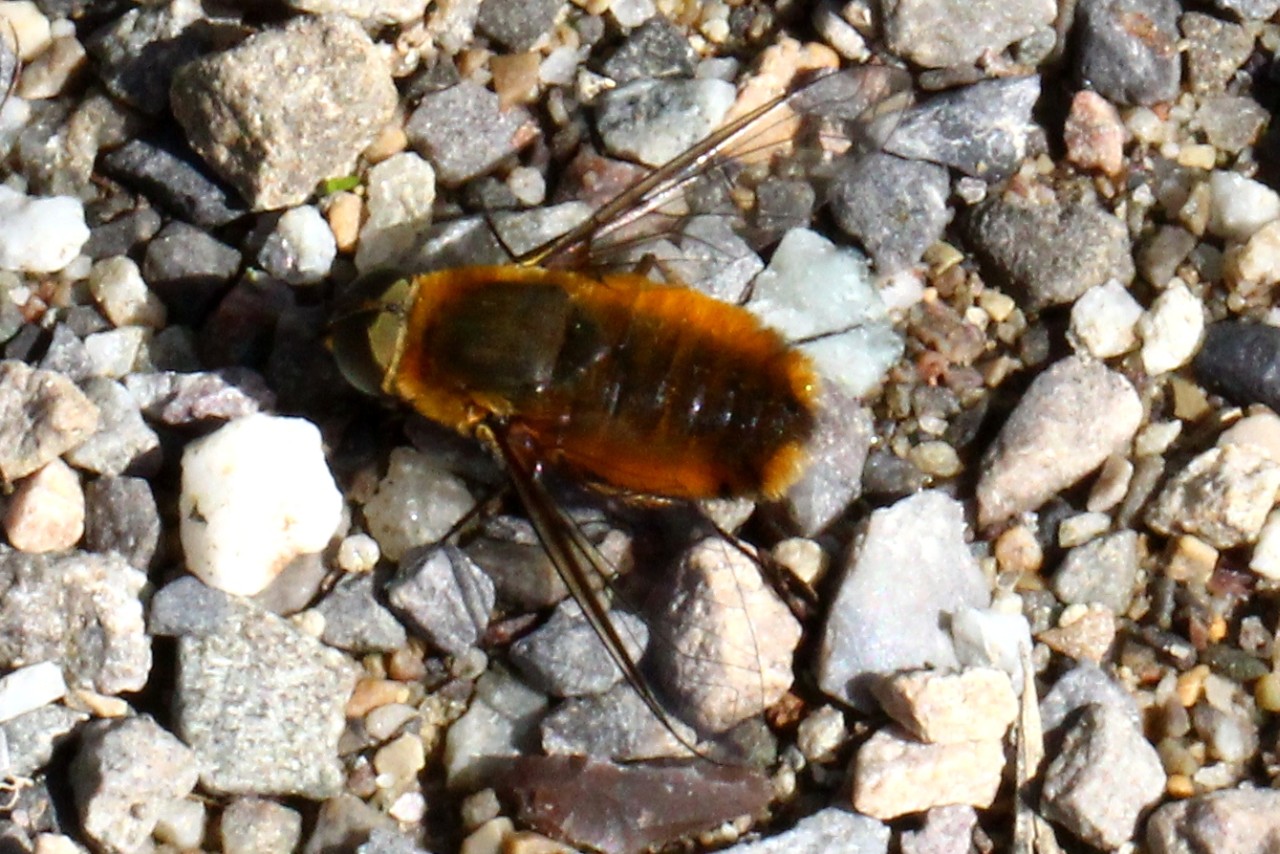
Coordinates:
column 464, row 133
column 1240, row 820
column 832, row 478
column 727, row 639
column 1074, row 415
column 175, row 398
column 67, row 355
column 188, row 268
column 171, row 182
column 562, row 657
column 137, row 54
column 1128, row 49
column 652, row 121
column 257, row 826
column 122, row 235
column 897, row 208
column 445, row 596
column 121, row 516
column 354, row 620
column 1053, row 251
column 883, row 619
column 80, row 610
column 262, row 706
column 983, row 130
column 657, row 48
column 187, row 606
column 125, row 773
column 42, row 416
column 518, row 24
column 1250, row 10
column 1084, row 685
column 943, row 33
column 1102, row 571
column 123, row 441
column 831, row 829
column 33, row 737
column 616, row 725
column 286, row 108
column 1104, row 776
column 344, row 823
column 946, row 830
column 1215, row 49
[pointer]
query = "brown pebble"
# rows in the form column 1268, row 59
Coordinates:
column 343, row 214
column 515, row 78
column 372, row 693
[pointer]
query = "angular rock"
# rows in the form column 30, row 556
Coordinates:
column 982, row 130
column 1053, row 251
column 897, row 208
column 125, row 773
column 1222, row 496
column 445, row 596
column 894, row 775
column 1105, row 774
column 1240, row 820
column 42, row 415
column 881, row 619
column 1129, row 49
column 262, row 706
column 941, row 34
column 286, row 108
column 1074, row 416
column 80, row 610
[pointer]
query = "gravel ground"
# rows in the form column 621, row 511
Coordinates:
column 1040, row 512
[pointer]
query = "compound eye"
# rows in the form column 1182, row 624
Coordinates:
column 367, row 328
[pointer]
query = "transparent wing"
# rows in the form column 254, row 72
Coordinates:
column 740, row 188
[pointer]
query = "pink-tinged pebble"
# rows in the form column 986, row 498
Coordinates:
column 46, row 512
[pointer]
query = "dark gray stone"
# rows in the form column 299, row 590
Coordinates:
column 1051, row 250
column 445, row 596
column 121, row 516
column 897, row 208
column 172, row 183
column 1128, row 49
column 657, row 48
column 354, row 620
column 464, row 133
column 983, row 130
column 1241, row 361
column 187, row 606
column 188, row 268
column 122, row 235
column 562, row 657
column 518, row 24
column 137, row 53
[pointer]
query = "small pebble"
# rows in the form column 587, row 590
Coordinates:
column 255, row 494
column 39, row 234
column 1240, row 205
column 1171, row 330
column 1104, row 320
column 46, row 512
column 976, row 704
column 301, row 249
column 416, row 504
column 894, row 775
column 117, row 286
